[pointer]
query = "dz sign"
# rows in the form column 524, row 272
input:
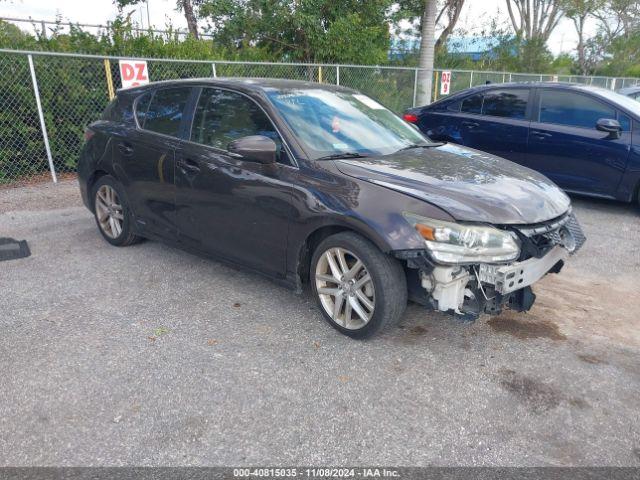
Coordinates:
column 133, row 73
column 445, row 82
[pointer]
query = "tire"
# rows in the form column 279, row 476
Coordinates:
column 340, row 295
column 112, row 213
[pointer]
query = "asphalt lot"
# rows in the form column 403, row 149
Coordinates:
column 147, row 355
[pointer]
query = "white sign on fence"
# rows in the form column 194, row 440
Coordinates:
column 133, row 73
column 445, row 82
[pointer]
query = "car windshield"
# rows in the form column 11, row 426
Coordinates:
column 331, row 124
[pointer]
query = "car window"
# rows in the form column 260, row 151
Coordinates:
column 166, row 110
column 222, row 116
column 509, row 103
column 334, row 122
column 472, row 104
column 119, row 110
column 625, row 122
column 563, row 107
column 141, row 107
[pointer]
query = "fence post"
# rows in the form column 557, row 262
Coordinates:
column 415, row 87
column 107, row 72
column 435, row 86
column 337, row 74
column 471, row 79
column 319, row 73
column 613, row 83
column 213, row 69
column 41, row 116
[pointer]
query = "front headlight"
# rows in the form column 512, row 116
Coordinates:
column 457, row 243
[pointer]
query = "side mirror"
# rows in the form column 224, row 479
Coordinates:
column 255, row 148
column 610, row 126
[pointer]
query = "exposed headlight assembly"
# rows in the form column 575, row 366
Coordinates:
column 453, row 243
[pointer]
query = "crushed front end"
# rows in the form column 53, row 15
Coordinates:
column 468, row 270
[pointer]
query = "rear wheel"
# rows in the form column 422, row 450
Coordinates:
column 112, row 212
column 359, row 289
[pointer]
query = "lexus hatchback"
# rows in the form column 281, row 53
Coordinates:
column 585, row 139
column 320, row 185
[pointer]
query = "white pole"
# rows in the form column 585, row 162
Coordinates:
column 41, row 115
column 415, row 87
column 471, row 79
column 213, row 67
column 337, row 74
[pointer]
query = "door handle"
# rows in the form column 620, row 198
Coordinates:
column 539, row 134
column 470, row 124
column 125, row 149
column 187, row 165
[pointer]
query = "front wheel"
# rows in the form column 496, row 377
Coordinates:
column 359, row 289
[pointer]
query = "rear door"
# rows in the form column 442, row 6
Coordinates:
column 497, row 121
column 146, row 158
column 229, row 206
column 565, row 145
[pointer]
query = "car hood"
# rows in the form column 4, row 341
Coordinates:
column 468, row 184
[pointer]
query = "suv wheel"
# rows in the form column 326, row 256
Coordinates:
column 359, row 289
column 112, row 212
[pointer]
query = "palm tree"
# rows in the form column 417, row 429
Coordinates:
column 427, row 48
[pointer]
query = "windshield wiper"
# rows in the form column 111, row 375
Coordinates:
column 335, row 156
column 421, row 145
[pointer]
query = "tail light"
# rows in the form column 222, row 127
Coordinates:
column 410, row 117
column 88, row 133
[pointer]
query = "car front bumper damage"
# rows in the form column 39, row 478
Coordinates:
column 470, row 290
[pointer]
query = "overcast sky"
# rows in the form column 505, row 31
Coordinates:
column 477, row 13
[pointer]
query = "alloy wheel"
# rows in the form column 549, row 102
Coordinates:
column 345, row 288
column 109, row 211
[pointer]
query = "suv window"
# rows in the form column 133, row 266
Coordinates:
column 510, row 103
column 222, row 116
column 472, row 104
column 563, row 107
column 166, row 109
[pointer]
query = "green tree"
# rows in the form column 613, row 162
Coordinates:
column 579, row 11
column 185, row 6
column 354, row 31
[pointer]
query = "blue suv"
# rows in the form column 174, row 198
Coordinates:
column 585, row 139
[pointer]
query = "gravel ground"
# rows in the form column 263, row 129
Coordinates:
column 151, row 356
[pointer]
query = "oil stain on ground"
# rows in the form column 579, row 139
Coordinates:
column 525, row 330
column 592, row 359
column 538, row 396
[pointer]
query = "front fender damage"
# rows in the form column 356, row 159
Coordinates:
column 468, row 291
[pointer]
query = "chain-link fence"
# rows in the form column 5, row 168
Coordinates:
column 47, row 99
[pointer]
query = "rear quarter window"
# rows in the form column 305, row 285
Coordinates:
column 119, row 110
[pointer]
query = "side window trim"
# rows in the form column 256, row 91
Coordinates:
column 538, row 110
column 200, row 88
column 135, row 106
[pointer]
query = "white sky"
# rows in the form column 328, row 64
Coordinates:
column 476, row 15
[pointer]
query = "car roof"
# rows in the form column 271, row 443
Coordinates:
column 627, row 90
column 491, row 86
column 245, row 84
